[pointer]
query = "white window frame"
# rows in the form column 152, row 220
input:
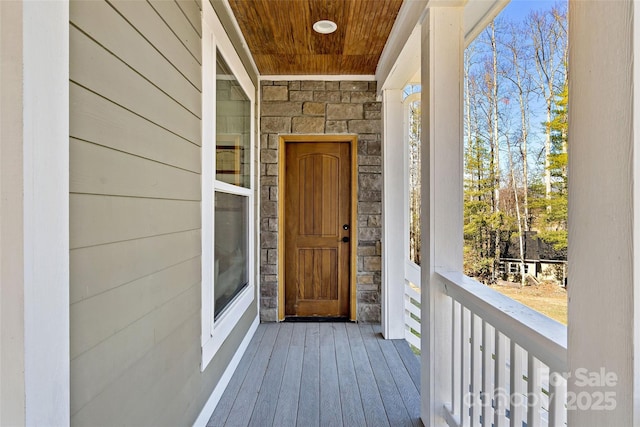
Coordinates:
column 214, row 333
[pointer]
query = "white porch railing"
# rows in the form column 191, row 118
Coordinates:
column 412, row 305
column 507, row 360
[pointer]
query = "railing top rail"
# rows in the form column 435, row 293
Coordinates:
column 541, row 336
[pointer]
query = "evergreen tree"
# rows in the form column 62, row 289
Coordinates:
column 553, row 221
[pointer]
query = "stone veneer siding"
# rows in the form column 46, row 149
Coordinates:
column 323, row 107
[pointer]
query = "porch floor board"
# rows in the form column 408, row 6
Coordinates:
column 319, row 374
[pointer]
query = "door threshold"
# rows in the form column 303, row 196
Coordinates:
column 315, row 319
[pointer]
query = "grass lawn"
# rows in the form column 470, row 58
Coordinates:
column 547, row 298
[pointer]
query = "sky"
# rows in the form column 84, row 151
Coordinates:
column 518, row 9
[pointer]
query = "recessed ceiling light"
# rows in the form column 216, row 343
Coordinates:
column 325, row 27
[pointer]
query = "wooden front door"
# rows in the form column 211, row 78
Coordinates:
column 317, row 228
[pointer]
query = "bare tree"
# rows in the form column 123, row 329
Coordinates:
column 547, row 31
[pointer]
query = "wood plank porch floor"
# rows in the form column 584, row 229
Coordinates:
column 322, row 374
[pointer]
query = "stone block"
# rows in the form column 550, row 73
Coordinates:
column 295, row 85
column 374, row 148
column 268, row 302
column 272, row 224
column 369, row 234
column 364, row 279
column 367, row 250
column 313, row 108
column 369, row 160
column 345, row 97
column 362, row 147
column 370, row 196
column 354, row 86
column 273, row 193
column 373, row 86
column 370, row 181
column 282, row 108
column 368, row 313
column 275, row 93
column 372, row 263
column 272, row 169
column 336, row 126
column 362, row 97
column 268, row 240
column 368, row 297
column 268, row 208
column 331, row 96
column 269, row 269
column 269, row 156
column 372, row 208
column 332, row 86
column 374, row 221
column 281, row 83
column 272, row 256
column 370, row 169
column 274, row 141
column 344, row 111
column 308, row 125
column 301, row 95
column 372, row 115
column 312, row 85
column 268, row 180
column 373, row 106
column 264, row 140
column 268, row 315
column 365, row 126
column 275, row 124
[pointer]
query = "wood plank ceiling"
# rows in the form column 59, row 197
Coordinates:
column 280, row 35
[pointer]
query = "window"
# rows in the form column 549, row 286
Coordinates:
column 228, row 231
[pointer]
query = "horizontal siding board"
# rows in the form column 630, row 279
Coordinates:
column 174, row 361
column 98, row 120
column 142, row 16
column 95, row 68
column 173, row 16
column 103, row 23
column 97, row 219
column 192, row 12
column 92, row 319
column 97, row 269
column 110, row 372
column 99, row 170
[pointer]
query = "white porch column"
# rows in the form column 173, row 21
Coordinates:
column 394, row 221
column 604, row 216
column 442, row 190
column 34, row 213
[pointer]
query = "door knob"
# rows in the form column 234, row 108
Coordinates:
column 345, row 239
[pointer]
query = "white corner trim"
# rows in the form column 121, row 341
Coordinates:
column 217, row 392
column 46, row 212
column 409, row 16
column 320, row 77
column 245, row 46
column 394, row 213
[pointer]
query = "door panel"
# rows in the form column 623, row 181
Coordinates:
column 317, row 207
